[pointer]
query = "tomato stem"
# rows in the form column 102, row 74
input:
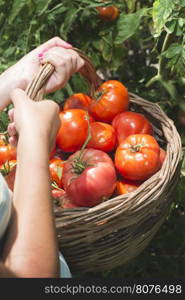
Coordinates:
column 99, row 94
column 88, row 137
column 78, row 165
column 136, row 148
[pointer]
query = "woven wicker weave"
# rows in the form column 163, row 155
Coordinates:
column 112, row 233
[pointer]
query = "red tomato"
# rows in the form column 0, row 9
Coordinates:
column 116, row 84
column 127, row 123
column 56, row 194
column 89, row 177
column 56, row 169
column 7, row 152
column 78, row 100
column 103, row 137
column 67, row 203
column 108, row 13
column 126, row 186
column 62, row 198
column 109, row 102
column 73, row 131
column 137, row 157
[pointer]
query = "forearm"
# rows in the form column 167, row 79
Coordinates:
column 9, row 81
column 31, row 247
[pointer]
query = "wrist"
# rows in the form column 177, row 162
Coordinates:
column 33, row 147
column 9, row 81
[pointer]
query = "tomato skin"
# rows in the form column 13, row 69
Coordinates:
column 56, row 194
column 115, row 84
column 124, row 186
column 103, row 137
column 79, row 100
column 108, row 13
column 56, row 169
column 138, row 164
column 127, row 123
column 95, row 183
column 73, row 130
column 63, row 200
column 66, row 202
column 7, row 152
column 111, row 101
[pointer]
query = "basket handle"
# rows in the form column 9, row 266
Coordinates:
column 35, row 89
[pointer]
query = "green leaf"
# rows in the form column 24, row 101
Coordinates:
column 70, row 18
column 42, row 6
column 127, row 25
column 170, row 88
column 16, row 8
column 162, row 10
column 4, row 120
column 182, row 3
column 131, row 5
column 174, row 50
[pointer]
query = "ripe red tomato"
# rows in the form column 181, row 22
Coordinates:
column 56, row 194
column 108, row 13
column 109, row 102
column 89, row 177
column 66, row 202
column 62, row 199
column 56, row 169
column 116, row 84
column 79, row 100
column 128, row 122
column 103, row 137
column 137, row 157
column 73, row 131
column 7, row 152
column 124, row 186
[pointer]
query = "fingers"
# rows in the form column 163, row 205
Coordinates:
column 13, row 141
column 54, row 42
column 11, row 114
column 65, row 61
column 12, row 129
column 18, row 97
column 12, row 132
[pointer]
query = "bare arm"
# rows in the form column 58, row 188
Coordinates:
column 31, row 247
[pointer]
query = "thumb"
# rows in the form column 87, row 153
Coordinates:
column 18, row 97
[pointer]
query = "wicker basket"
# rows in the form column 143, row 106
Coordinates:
column 112, row 233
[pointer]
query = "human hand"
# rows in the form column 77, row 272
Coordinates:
column 29, row 119
column 21, row 74
column 66, row 63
